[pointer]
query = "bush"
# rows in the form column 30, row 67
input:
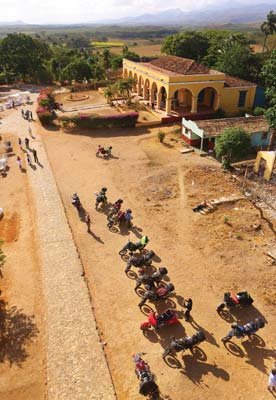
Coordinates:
column 232, row 145
column 126, row 120
column 258, row 111
column 46, row 117
column 161, row 136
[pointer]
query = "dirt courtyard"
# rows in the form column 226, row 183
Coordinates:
column 204, row 256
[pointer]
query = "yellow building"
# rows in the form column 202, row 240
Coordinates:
column 183, row 86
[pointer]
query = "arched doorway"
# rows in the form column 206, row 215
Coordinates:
column 140, row 86
column 182, row 101
column 208, row 99
column 135, row 83
column 162, row 98
column 153, row 93
column 125, row 73
column 146, row 93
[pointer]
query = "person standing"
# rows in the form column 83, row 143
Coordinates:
column 31, row 115
column 20, row 143
column 272, row 380
column 19, row 163
column 87, row 221
column 188, row 304
column 35, row 155
column 26, row 142
column 30, row 130
column 22, row 113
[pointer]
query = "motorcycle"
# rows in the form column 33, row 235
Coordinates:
column 239, row 300
column 150, row 280
column 240, row 331
column 115, row 208
column 141, row 261
column 147, row 386
column 76, row 201
column 158, row 294
column 100, row 198
column 120, row 217
column 186, row 343
column 104, row 152
column 132, row 247
column 157, row 321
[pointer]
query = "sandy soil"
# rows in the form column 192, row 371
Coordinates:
column 204, row 257
column 21, row 322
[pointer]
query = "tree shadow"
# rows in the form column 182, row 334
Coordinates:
column 209, row 336
column 17, row 331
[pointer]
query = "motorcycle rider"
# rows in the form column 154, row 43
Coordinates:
column 238, row 330
column 118, row 204
column 128, row 216
column 144, row 241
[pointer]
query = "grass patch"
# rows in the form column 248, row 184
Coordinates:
column 107, row 44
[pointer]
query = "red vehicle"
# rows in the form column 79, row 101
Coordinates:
column 156, row 321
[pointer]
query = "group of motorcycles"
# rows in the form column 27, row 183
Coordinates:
column 156, row 289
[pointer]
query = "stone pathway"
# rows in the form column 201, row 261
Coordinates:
column 76, row 365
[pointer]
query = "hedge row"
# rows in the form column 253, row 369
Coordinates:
column 126, row 120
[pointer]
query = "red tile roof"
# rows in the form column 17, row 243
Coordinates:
column 231, row 81
column 215, row 127
column 182, row 66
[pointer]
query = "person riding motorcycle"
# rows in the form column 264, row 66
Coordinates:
column 238, row 330
column 144, row 241
column 118, row 204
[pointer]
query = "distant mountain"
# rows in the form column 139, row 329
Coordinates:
column 12, row 23
column 218, row 14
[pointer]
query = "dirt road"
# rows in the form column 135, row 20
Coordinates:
column 204, row 257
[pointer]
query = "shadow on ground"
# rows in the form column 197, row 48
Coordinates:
column 17, row 330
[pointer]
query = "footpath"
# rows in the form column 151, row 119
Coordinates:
column 76, row 365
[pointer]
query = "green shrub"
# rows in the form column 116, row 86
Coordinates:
column 46, row 117
column 258, row 111
column 126, row 120
column 161, row 136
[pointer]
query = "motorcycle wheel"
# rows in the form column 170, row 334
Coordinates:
column 110, row 224
column 122, row 252
column 225, row 339
column 166, row 352
column 110, row 216
column 145, row 327
column 220, row 307
column 97, row 155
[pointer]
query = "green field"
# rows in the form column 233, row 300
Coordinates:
column 107, row 44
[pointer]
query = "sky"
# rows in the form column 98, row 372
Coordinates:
column 81, row 11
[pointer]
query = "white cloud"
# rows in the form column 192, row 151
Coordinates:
column 66, row 11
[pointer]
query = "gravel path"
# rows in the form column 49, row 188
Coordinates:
column 76, row 364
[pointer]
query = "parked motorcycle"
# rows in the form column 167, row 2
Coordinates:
column 147, row 386
column 240, row 331
column 157, row 321
column 76, row 201
column 132, row 247
column 151, row 280
column 239, row 300
column 105, row 152
column 158, row 294
column 186, row 343
column 141, row 261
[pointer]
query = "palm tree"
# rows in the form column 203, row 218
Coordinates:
column 268, row 27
